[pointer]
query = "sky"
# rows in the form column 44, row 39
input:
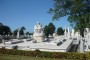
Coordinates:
column 18, row 13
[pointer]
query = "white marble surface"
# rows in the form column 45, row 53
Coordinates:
column 43, row 46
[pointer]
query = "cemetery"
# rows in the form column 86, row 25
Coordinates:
column 71, row 41
column 62, row 33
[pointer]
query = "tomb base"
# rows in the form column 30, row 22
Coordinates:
column 38, row 38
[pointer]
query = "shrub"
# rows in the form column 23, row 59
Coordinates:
column 56, row 55
column 38, row 53
column 87, row 55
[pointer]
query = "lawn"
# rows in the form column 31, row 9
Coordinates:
column 17, row 57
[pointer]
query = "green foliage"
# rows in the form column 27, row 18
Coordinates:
column 50, row 29
column 27, row 33
column 17, row 57
column 46, row 31
column 60, row 31
column 22, row 30
column 38, row 53
column 78, row 12
column 4, row 30
column 87, row 55
column 15, row 32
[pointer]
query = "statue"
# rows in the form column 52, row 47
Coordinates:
column 18, row 33
column 38, row 34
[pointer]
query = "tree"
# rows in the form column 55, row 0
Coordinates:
column 27, row 33
column 1, row 24
column 60, row 31
column 51, row 28
column 78, row 12
column 4, row 30
column 46, row 31
column 1, row 29
column 22, row 30
column 10, row 33
column 15, row 32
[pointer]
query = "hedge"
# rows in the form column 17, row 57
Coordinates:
column 37, row 53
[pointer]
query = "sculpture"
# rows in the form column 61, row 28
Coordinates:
column 38, row 34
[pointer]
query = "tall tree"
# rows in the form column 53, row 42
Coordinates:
column 60, row 31
column 49, row 29
column 1, row 29
column 4, row 30
column 1, row 24
column 46, row 31
column 27, row 33
column 78, row 12
column 15, row 32
column 22, row 30
column 52, row 28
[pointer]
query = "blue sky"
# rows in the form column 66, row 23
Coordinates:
column 18, row 13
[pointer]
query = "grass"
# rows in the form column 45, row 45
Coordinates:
column 17, row 57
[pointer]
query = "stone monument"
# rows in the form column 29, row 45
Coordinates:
column 68, row 33
column 73, row 33
column 3, row 41
column 18, row 33
column 87, row 40
column 38, row 34
column 65, row 32
column 54, row 34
